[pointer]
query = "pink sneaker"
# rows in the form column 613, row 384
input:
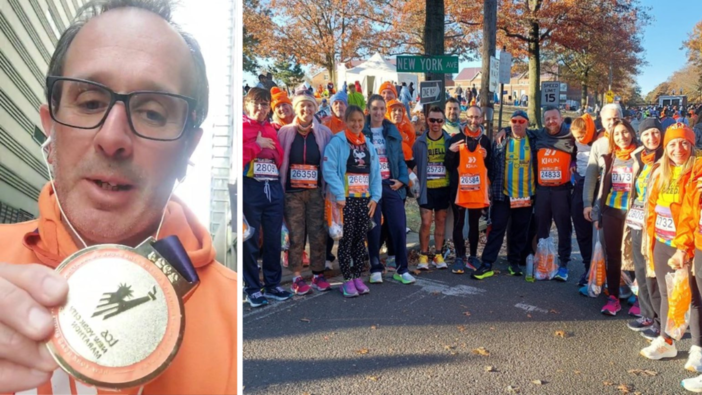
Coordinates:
column 320, row 283
column 300, row 287
column 635, row 310
column 361, row 287
column 349, row 289
column 612, row 307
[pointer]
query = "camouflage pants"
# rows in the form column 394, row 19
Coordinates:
column 304, row 217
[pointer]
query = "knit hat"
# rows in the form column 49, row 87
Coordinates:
column 302, row 94
column 340, row 96
column 649, row 123
column 387, row 85
column 679, row 131
column 520, row 113
column 278, row 96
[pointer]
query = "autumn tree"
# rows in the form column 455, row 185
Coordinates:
column 320, row 32
column 693, row 45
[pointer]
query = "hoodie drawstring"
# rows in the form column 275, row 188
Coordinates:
column 267, row 191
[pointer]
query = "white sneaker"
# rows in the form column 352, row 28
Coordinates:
column 423, row 266
column 693, row 384
column 404, row 278
column 328, row 265
column 376, row 278
column 694, row 360
column 659, row 349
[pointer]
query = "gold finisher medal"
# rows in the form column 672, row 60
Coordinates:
column 123, row 321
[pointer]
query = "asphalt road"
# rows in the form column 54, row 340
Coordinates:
column 424, row 339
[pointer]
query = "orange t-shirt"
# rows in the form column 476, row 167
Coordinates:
column 335, row 124
column 553, row 167
column 473, row 183
column 207, row 360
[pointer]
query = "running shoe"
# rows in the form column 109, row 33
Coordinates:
column 583, row 291
column 514, row 270
column 300, row 287
column 635, row 310
column 659, row 349
column 583, row 280
column 473, row 263
column 376, row 278
column 612, row 307
column 256, row 299
column 348, row 289
column 483, row 272
column 278, row 293
column 632, row 300
column 562, row 274
column 360, row 286
column 458, row 266
column 652, row 333
column 438, row 262
column 693, row 384
column 404, row 278
column 640, row 324
column 390, row 263
column 423, row 262
column 694, row 359
column 320, row 283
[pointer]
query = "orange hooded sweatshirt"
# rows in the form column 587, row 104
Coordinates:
column 675, row 209
column 405, row 127
column 207, row 360
column 688, row 228
column 334, row 124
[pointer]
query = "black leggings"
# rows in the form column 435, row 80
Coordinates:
column 459, row 215
column 613, row 222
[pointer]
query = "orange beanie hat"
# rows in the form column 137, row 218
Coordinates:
column 679, row 131
column 279, row 96
column 387, row 85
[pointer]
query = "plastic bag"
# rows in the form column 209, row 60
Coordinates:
column 414, row 185
column 626, row 279
column 284, row 238
column 596, row 276
column 248, row 230
column 335, row 218
column 679, row 298
column 545, row 260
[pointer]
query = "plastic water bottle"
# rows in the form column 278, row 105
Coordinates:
column 530, row 268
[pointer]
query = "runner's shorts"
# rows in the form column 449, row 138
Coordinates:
column 437, row 199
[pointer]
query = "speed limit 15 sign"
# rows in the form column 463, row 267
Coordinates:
column 550, row 93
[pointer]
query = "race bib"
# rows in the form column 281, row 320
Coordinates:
column 635, row 216
column 436, row 171
column 304, row 176
column 384, row 168
column 553, row 174
column 520, row 202
column 265, row 169
column 622, row 178
column 470, row 182
column 665, row 227
column 358, row 183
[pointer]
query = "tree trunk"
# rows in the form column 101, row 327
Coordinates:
column 489, row 44
column 583, row 89
column 534, row 109
column 434, row 43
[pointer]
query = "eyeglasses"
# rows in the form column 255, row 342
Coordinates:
column 519, row 121
column 152, row 115
column 260, row 104
column 435, row 120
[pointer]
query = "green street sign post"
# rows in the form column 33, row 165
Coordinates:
column 427, row 64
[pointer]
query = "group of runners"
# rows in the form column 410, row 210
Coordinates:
column 635, row 189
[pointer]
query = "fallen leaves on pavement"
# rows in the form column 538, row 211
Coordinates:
column 538, row 382
column 363, row 351
column 481, row 351
column 624, row 388
column 512, row 389
column 644, row 372
column 490, row 369
column 466, row 313
column 563, row 334
column 461, row 328
column 372, row 378
column 305, row 320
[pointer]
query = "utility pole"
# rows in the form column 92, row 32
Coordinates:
column 489, row 43
column 500, row 95
column 434, row 43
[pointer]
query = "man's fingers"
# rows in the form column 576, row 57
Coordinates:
column 43, row 284
column 16, row 378
column 22, row 351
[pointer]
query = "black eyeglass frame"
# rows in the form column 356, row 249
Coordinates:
column 124, row 98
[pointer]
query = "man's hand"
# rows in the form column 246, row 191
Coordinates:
column 677, row 260
column 26, row 293
column 396, row 185
column 456, row 146
column 341, row 204
column 371, row 208
column 500, row 137
column 587, row 213
column 264, row 142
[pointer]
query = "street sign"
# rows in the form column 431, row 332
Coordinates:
column 505, row 67
column 609, row 96
column 550, row 93
column 427, row 64
column 430, row 92
column 494, row 74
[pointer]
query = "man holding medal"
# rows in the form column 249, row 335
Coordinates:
column 86, row 284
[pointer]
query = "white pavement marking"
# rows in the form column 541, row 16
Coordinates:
column 530, row 308
column 433, row 286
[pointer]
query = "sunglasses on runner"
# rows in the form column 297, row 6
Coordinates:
column 519, row 121
column 436, row 120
